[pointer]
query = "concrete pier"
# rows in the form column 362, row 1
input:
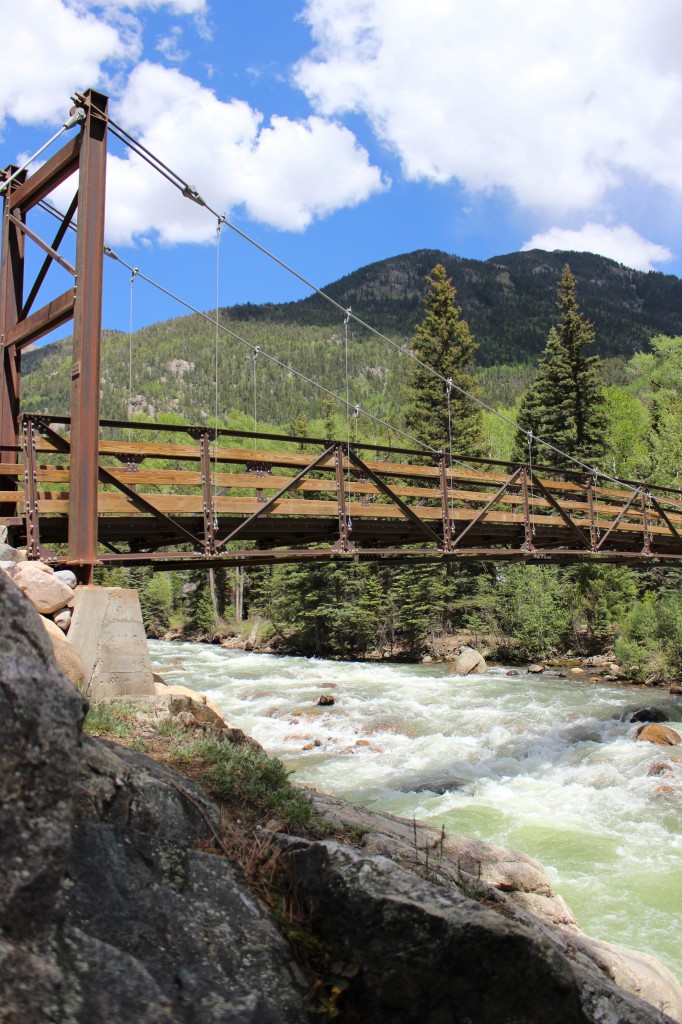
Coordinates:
column 108, row 633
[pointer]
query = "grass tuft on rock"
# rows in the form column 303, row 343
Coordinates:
column 250, row 779
column 110, row 718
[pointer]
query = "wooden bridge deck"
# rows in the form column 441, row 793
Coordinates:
column 219, row 503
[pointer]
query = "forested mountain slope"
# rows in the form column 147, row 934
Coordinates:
column 509, row 302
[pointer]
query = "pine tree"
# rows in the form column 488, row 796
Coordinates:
column 444, row 342
column 300, row 427
column 566, row 403
column 329, row 427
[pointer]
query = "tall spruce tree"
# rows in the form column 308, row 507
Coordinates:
column 444, row 342
column 566, row 403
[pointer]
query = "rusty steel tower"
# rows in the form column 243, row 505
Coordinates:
column 84, row 157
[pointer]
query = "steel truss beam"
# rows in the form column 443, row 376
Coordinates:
column 84, row 154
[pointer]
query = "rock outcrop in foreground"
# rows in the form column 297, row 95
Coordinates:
column 110, row 911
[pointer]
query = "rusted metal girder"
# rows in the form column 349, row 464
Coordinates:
column 527, row 546
column 662, row 513
column 177, row 531
column 31, row 490
column 344, row 545
column 483, row 512
column 87, row 329
column 386, row 490
column 210, row 520
column 11, row 295
column 553, row 503
column 85, row 154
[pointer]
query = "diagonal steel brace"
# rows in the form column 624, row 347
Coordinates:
column 665, row 518
column 385, row 489
column 64, row 447
column 486, row 508
column 564, row 515
column 291, row 482
column 618, row 518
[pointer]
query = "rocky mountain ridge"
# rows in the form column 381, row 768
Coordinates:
column 508, row 300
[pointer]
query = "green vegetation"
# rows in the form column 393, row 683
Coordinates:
column 651, row 642
column 250, row 779
column 110, row 718
column 350, row 609
column 565, row 403
column 508, row 303
column 443, row 342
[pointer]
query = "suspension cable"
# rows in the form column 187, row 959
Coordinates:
column 108, row 251
column 348, row 410
column 529, row 437
column 256, row 353
column 73, row 119
column 219, row 227
column 448, row 389
column 133, row 274
column 596, row 501
column 190, row 192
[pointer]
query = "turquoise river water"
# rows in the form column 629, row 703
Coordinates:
column 536, row 763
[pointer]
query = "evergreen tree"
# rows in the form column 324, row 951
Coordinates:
column 329, row 427
column 420, row 605
column 300, row 427
column 200, row 607
column 566, row 403
column 444, row 342
column 157, row 603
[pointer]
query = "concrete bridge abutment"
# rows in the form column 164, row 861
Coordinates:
column 108, row 634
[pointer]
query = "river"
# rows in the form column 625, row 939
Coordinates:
column 537, row 763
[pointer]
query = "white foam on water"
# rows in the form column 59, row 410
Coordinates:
column 537, row 763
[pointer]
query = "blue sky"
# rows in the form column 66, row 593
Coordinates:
column 339, row 132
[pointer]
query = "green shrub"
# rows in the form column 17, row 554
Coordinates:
column 109, row 718
column 252, row 778
column 651, row 642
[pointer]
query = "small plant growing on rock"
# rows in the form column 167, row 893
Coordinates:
column 110, row 718
column 251, row 778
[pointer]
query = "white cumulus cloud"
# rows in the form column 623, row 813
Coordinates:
column 620, row 243
column 556, row 103
column 50, row 49
column 283, row 173
column 53, row 47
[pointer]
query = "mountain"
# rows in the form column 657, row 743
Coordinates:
column 509, row 302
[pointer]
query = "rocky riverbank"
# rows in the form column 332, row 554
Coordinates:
column 465, row 651
column 128, row 894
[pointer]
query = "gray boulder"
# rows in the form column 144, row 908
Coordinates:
column 47, row 593
column 187, row 921
column 68, row 577
column 10, row 554
column 426, row 953
column 108, row 912
column 517, row 887
column 40, row 719
column 469, row 660
column 646, row 715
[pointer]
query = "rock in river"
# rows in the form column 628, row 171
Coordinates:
column 468, row 661
column 661, row 734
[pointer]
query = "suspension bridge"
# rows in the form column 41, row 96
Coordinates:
column 82, row 492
